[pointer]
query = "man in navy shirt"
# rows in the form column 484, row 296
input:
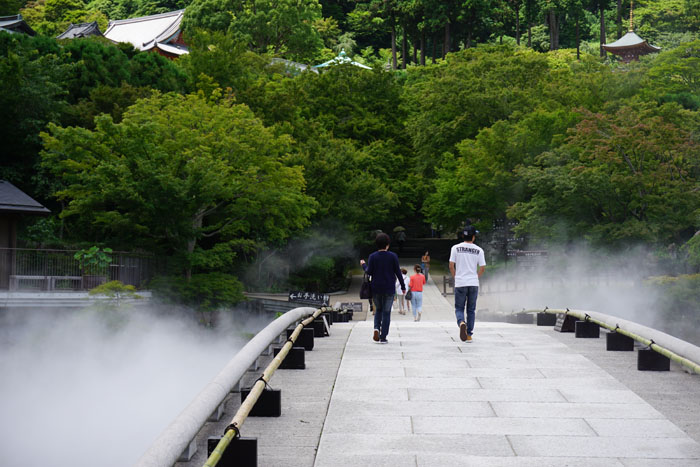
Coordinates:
column 383, row 267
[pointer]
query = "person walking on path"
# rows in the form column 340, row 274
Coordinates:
column 399, row 293
column 401, row 239
column 416, row 285
column 383, row 266
column 467, row 264
column 425, row 264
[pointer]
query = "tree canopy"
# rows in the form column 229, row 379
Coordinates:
column 490, row 110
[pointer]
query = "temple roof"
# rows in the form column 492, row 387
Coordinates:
column 631, row 41
column 76, row 31
column 15, row 24
column 14, row 200
column 341, row 59
column 149, row 32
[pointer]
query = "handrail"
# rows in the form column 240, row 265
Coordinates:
column 175, row 439
column 233, row 429
column 684, row 353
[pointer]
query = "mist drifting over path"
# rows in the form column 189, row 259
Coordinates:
column 91, row 388
column 582, row 279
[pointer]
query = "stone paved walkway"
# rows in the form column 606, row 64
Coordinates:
column 519, row 395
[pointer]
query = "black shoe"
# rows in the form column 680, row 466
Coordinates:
column 383, row 341
column 463, row 331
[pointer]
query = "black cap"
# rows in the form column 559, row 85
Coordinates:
column 470, row 230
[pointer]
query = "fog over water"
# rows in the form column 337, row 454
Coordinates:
column 582, row 280
column 90, row 388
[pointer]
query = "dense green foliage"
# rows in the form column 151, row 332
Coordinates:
column 218, row 158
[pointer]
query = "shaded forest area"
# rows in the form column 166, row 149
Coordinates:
column 488, row 110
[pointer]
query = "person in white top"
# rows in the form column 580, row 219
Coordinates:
column 399, row 293
column 467, row 264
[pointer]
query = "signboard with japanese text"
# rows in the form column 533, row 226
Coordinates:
column 356, row 307
column 311, row 298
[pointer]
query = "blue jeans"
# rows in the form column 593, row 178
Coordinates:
column 382, row 313
column 425, row 267
column 466, row 295
column 417, row 302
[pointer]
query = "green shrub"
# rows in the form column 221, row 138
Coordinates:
column 203, row 292
column 316, row 276
column 678, row 304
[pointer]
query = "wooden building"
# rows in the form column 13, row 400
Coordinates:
column 630, row 46
column 76, row 31
column 15, row 24
column 14, row 203
column 159, row 33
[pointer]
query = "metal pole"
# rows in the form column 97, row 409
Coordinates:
column 684, row 353
column 166, row 450
column 237, row 422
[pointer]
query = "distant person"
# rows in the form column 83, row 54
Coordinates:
column 401, row 296
column 416, row 285
column 401, row 239
column 425, row 264
column 383, row 266
column 467, row 264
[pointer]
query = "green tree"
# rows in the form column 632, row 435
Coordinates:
column 481, row 180
column 178, row 170
column 350, row 185
column 627, row 176
column 32, row 93
column 281, row 27
column 353, row 103
column 471, row 90
column 675, row 75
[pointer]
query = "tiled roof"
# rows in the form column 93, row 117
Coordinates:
column 14, row 200
column 147, row 32
column 15, row 23
column 631, row 41
column 75, row 31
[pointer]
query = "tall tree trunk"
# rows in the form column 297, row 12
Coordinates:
column 404, row 49
column 422, row 48
column 446, row 45
column 517, row 22
column 602, row 30
column 434, row 49
column 469, row 39
column 197, row 223
column 529, row 34
column 414, row 58
column 619, row 19
column 578, row 40
column 393, row 46
column 553, row 30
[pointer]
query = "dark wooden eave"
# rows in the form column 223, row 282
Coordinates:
column 15, row 201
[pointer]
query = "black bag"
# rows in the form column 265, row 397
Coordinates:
column 365, row 288
column 409, row 295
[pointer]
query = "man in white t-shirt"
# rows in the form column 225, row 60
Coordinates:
column 467, row 264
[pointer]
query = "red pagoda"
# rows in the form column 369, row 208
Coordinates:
column 630, row 46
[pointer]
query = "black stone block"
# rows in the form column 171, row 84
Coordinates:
column 651, row 360
column 618, row 342
column 329, row 317
column 565, row 323
column 546, row 319
column 241, row 452
column 305, row 338
column 587, row 329
column 523, row 318
column 319, row 328
column 295, row 359
column 269, row 403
